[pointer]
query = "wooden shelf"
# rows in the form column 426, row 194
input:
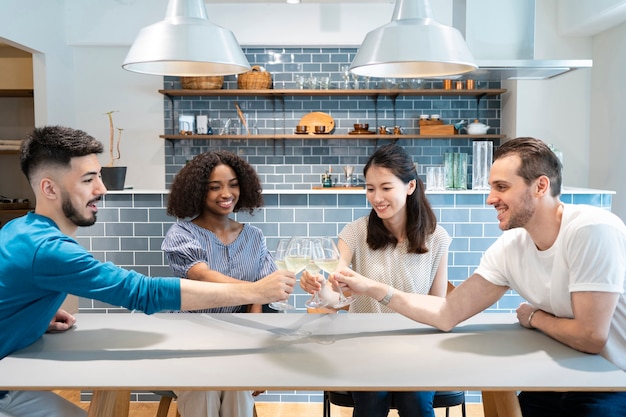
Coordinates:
column 16, row 93
column 9, row 152
column 371, row 92
column 330, row 136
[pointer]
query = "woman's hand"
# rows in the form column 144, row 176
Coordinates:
column 310, row 283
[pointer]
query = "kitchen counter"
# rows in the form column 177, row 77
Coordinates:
column 356, row 190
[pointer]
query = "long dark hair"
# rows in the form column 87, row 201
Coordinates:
column 537, row 160
column 191, row 184
column 421, row 220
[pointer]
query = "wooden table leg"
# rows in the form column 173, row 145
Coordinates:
column 501, row 404
column 106, row 403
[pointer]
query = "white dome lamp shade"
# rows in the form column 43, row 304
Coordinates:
column 413, row 45
column 186, row 43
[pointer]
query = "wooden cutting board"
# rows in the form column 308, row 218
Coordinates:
column 317, row 118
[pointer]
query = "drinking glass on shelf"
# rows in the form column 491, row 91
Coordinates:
column 279, row 259
column 345, row 73
column 328, row 263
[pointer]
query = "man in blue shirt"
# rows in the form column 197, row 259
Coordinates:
column 40, row 262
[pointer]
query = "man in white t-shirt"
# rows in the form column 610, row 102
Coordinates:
column 568, row 262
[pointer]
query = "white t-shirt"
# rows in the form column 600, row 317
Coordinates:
column 408, row 272
column 589, row 254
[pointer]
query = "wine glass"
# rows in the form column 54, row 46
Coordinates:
column 345, row 73
column 329, row 264
column 317, row 252
column 279, row 259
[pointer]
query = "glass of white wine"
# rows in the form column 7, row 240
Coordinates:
column 317, row 252
column 279, row 259
column 328, row 263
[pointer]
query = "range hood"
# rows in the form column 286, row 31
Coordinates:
column 501, row 36
column 525, row 69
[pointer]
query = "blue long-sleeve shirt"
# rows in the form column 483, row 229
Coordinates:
column 40, row 266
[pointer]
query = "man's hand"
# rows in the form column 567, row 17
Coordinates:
column 61, row 322
column 525, row 313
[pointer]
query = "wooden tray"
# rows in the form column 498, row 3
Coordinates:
column 437, row 130
column 317, row 118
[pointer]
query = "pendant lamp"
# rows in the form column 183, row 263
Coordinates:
column 413, row 45
column 186, row 43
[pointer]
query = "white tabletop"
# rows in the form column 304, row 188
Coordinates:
column 302, row 351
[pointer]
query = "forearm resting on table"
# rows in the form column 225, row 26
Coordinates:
column 196, row 295
column 588, row 331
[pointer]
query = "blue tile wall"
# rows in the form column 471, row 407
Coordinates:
column 131, row 227
column 298, row 163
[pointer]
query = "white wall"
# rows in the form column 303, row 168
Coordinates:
column 607, row 142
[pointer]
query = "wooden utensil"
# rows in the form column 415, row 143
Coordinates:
column 242, row 118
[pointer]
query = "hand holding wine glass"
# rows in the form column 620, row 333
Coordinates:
column 329, row 263
column 279, row 259
column 313, row 269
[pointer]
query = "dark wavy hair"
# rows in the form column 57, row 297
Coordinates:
column 421, row 220
column 191, row 184
column 537, row 160
column 55, row 146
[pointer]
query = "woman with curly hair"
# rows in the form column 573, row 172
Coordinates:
column 207, row 245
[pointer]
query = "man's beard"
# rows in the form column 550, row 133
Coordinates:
column 72, row 214
column 523, row 214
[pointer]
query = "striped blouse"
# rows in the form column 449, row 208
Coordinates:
column 246, row 258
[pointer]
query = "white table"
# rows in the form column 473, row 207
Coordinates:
column 113, row 354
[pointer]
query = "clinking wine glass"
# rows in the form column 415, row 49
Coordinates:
column 279, row 259
column 317, row 252
column 296, row 257
column 329, row 263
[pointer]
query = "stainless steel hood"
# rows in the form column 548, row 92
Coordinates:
column 502, row 38
column 525, row 69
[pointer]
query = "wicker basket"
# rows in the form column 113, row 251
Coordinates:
column 255, row 79
column 202, row 83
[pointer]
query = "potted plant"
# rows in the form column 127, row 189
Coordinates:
column 113, row 177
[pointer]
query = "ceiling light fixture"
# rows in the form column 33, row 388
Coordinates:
column 186, row 43
column 413, row 45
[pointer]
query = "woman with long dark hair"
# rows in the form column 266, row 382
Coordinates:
column 399, row 243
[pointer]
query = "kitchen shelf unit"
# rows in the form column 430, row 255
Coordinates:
column 374, row 93
column 304, row 92
column 328, row 136
column 8, row 214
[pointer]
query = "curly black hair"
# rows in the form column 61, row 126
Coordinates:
column 191, row 184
